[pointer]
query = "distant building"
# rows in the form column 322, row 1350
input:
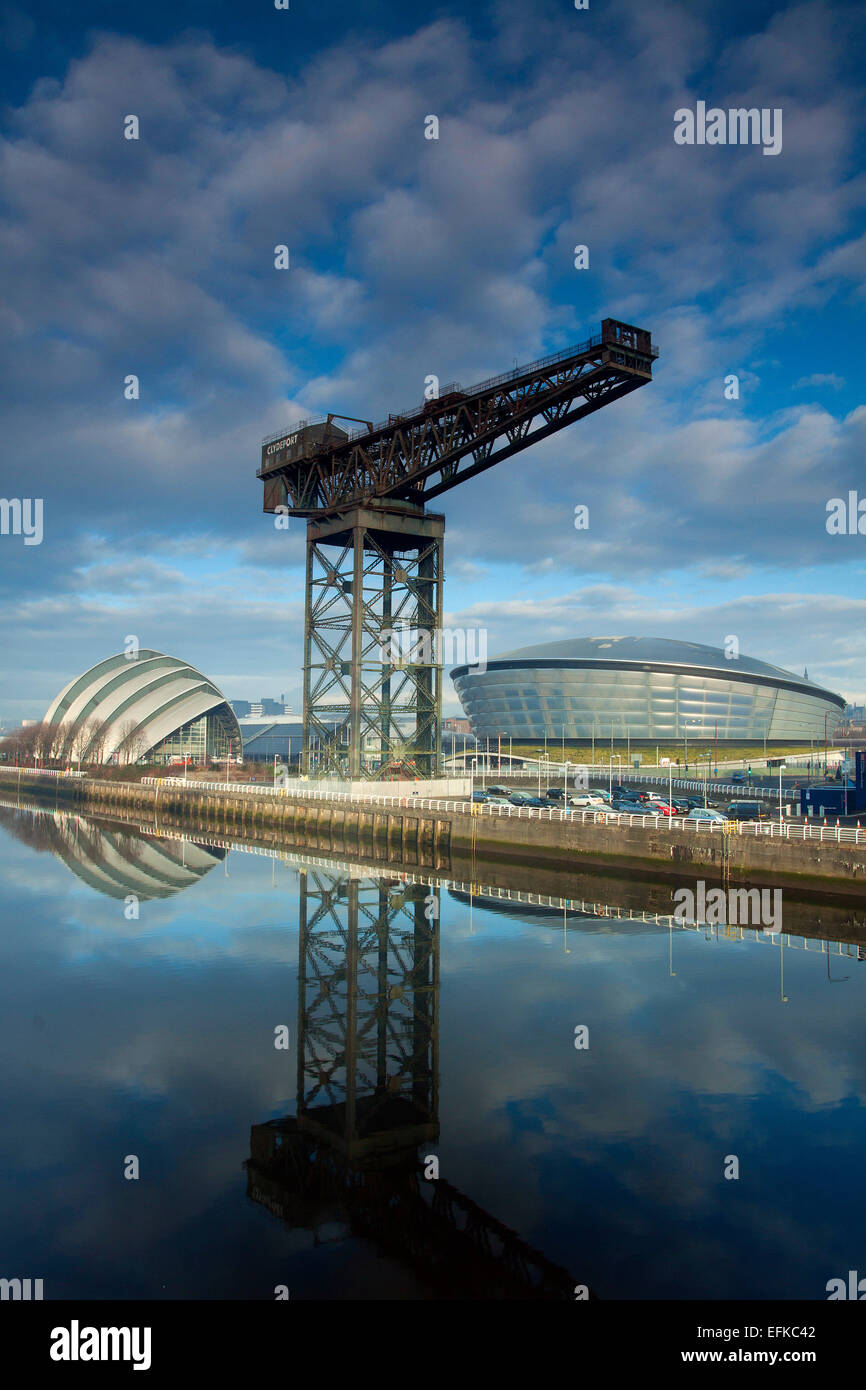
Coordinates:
column 260, row 709
column 280, row 738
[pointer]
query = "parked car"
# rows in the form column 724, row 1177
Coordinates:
column 493, row 800
column 480, row 796
column 497, row 790
column 587, row 801
column 706, row 813
column 634, row 808
column 519, row 798
column 536, row 801
column 661, row 808
column 602, row 792
column 746, row 810
column 555, row 793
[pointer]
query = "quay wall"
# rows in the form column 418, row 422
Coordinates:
column 433, row 838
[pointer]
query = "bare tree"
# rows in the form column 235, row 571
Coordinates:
column 82, row 739
column 66, row 740
column 46, row 738
column 20, row 744
column 132, row 743
column 98, row 740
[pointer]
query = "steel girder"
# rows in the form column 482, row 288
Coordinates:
column 367, row 1098
column 373, row 576
column 423, row 453
column 367, row 1014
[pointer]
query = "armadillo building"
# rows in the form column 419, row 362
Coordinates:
column 147, row 705
column 642, row 688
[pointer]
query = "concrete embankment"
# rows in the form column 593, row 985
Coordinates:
column 435, row 838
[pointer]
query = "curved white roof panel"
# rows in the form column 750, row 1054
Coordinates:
column 137, row 701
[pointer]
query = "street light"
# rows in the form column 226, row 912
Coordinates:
column 686, row 723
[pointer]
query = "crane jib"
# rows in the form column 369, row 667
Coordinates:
column 317, row 468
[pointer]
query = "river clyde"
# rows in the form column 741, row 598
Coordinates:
column 290, row 1047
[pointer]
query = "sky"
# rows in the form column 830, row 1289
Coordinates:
column 409, row 256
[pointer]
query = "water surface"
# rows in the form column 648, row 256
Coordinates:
column 423, row 1020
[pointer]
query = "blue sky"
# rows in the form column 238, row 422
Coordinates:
column 411, row 257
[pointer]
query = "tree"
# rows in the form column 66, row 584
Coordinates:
column 18, row 746
column 100, row 729
column 45, row 741
column 132, row 743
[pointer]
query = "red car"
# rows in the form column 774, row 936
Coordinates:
column 661, row 808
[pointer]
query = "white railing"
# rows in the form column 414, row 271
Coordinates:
column 787, row 830
column 42, row 771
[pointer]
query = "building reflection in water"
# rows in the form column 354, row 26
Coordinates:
column 114, row 858
column 362, row 1140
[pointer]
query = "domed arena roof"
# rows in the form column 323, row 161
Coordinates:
column 124, row 706
column 645, row 652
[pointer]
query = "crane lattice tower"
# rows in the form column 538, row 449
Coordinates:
column 374, row 553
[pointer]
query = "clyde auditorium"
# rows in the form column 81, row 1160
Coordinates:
column 152, row 705
column 642, row 688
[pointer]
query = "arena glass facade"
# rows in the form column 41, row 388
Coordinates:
column 644, row 689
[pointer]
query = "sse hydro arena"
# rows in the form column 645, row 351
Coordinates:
column 646, row 689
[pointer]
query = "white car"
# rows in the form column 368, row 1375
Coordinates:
column 587, row 801
column 705, row 813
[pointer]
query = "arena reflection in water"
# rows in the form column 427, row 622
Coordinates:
column 112, row 857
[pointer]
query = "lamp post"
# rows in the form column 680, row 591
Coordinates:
column 686, row 723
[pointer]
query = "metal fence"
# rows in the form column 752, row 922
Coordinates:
column 41, row 771
column 787, row 830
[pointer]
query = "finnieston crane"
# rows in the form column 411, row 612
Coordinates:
column 375, row 554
